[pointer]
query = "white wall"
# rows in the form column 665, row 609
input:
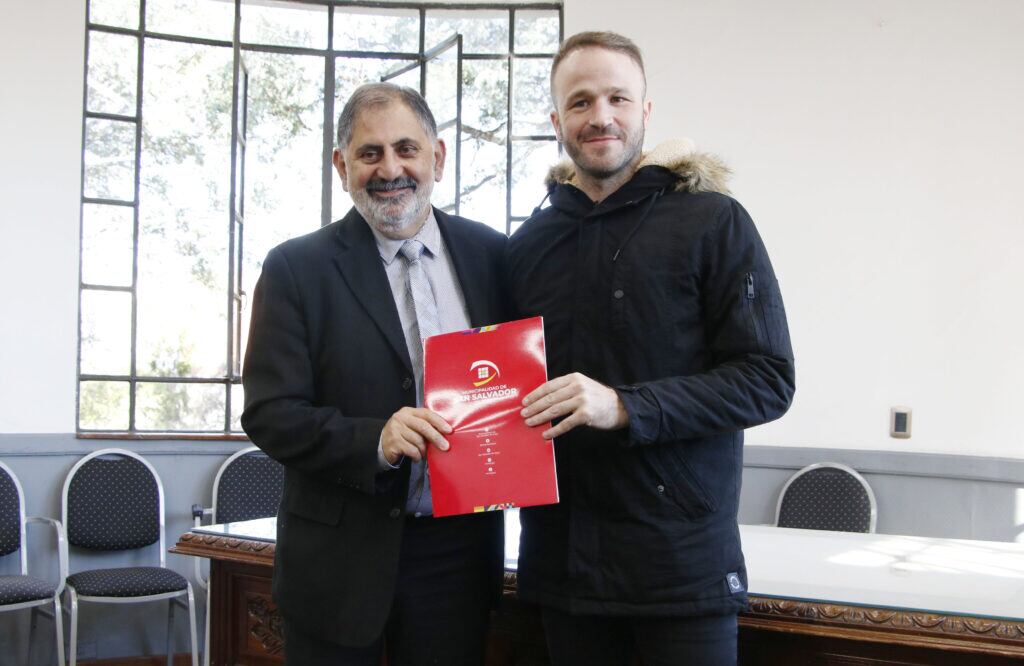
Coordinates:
column 876, row 144
column 879, row 147
column 41, row 56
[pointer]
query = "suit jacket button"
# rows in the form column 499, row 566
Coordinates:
column 395, row 513
column 407, row 383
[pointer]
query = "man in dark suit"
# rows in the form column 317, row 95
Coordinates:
column 333, row 377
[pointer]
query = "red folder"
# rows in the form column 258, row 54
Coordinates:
column 476, row 381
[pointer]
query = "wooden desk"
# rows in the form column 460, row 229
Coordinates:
column 816, row 598
column 245, row 627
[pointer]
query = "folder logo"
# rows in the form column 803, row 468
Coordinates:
column 483, row 372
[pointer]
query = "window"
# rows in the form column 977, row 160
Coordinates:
column 208, row 129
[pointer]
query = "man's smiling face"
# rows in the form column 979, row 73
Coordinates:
column 389, row 167
column 600, row 111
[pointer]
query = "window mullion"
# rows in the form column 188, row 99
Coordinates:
column 139, row 81
column 508, row 120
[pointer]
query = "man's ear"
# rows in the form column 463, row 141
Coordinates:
column 439, row 154
column 647, row 112
column 556, row 125
column 339, row 166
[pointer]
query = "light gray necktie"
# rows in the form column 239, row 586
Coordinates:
column 425, row 309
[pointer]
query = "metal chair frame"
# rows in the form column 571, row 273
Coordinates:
column 172, row 597
column 37, row 605
column 845, row 468
column 198, row 513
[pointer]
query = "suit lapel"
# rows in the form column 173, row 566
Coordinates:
column 361, row 267
column 470, row 260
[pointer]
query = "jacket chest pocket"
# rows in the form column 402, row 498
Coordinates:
column 676, row 480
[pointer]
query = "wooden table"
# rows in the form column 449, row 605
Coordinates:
column 816, row 598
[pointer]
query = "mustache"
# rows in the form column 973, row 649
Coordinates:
column 594, row 132
column 381, row 185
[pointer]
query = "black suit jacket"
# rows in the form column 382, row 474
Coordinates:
column 326, row 366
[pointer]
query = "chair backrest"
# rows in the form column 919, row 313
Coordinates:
column 827, row 496
column 12, row 515
column 113, row 500
column 248, row 485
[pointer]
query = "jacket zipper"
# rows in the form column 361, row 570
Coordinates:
column 760, row 332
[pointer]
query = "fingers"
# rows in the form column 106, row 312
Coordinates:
column 552, row 392
column 546, row 388
column 427, row 425
column 564, row 426
column 553, row 405
column 410, row 430
column 581, row 400
column 434, row 419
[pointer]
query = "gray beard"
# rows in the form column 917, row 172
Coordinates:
column 390, row 217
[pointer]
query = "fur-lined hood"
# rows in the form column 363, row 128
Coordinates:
column 697, row 172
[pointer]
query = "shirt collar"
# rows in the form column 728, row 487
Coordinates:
column 429, row 234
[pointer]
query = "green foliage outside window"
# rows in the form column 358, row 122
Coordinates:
column 165, row 275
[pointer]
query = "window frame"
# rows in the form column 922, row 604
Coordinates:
column 236, row 204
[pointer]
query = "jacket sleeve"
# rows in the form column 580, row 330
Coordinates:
column 751, row 376
column 281, row 413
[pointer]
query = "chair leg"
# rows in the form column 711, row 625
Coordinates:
column 206, row 630
column 73, row 637
column 192, row 626
column 31, row 634
column 58, row 625
column 170, row 632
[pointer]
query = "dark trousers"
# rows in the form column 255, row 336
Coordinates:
column 613, row 641
column 441, row 606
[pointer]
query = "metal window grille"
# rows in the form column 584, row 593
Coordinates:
column 117, row 391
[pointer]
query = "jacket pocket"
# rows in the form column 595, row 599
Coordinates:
column 766, row 313
column 313, row 503
column 755, row 314
column 678, row 481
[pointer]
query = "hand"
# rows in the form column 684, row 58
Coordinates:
column 587, row 402
column 409, row 431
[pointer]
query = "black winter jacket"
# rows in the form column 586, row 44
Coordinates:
column 665, row 292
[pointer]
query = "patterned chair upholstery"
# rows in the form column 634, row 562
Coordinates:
column 113, row 500
column 20, row 590
column 827, row 496
column 248, row 485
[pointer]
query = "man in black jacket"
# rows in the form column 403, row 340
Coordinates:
column 333, row 376
column 667, row 337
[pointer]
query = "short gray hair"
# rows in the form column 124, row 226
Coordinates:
column 376, row 95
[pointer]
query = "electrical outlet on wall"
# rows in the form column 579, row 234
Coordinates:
column 899, row 422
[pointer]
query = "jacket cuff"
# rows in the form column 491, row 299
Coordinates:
column 644, row 414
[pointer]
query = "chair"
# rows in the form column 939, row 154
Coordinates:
column 248, row 485
column 827, row 496
column 21, row 590
column 113, row 500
